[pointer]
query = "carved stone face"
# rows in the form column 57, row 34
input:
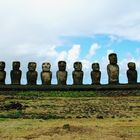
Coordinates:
column 131, row 66
column 16, row 65
column 78, row 66
column 31, row 66
column 46, row 66
column 95, row 66
column 113, row 58
column 62, row 65
column 2, row 65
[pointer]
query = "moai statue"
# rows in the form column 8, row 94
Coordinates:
column 46, row 74
column 77, row 74
column 2, row 73
column 132, row 73
column 95, row 74
column 61, row 74
column 32, row 74
column 113, row 69
column 16, row 73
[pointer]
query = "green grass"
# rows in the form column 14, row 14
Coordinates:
column 12, row 114
column 72, row 94
column 54, row 93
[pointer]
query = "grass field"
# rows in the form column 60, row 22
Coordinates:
column 77, row 129
column 68, row 116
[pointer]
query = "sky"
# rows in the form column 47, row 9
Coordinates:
column 70, row 30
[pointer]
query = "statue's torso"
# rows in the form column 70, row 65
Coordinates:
column 113, row 71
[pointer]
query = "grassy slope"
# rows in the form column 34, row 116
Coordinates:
column 89, row 116
column 80, row 129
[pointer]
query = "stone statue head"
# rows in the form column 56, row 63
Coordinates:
column 113, row 58
column 2, row 65
column 31, row 66
column 46, row 66
column 62, row 65
column 77, row 66
column 16, row 65
column 131, row 65
column 95, row 67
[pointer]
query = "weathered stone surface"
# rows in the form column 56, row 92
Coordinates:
column 2, row 73
column 66, row 126
column 46, row 74
column 132, row 73
column 113, row 69
column 16, row 73
column 61, row 74
column 95, row 74
column 77, row 74
column 32, row 74
column 13, row 105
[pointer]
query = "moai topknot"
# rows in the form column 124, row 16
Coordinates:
column 113, row 69
column 132, row 73
column 46, row 74
column 2, row 73
column 61, row 74
column 16, row 73
column 95, row 74
column 77, row 74
column 32, row 74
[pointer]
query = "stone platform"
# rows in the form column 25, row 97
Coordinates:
column 118, row 87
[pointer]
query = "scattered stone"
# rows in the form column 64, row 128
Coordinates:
column 13, row 105
column 66, row 126
column 69, row 117
column 79, row 117
column 125, row 94
column 113, row 117
column 100, row 116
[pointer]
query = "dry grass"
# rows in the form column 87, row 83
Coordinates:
column 79, row 129
column 89, row 118
column 61, row 107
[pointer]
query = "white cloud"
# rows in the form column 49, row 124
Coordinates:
column 70, row 56
column 31, row 30
column 39, row 20
column 61, row 56
column 73, row 53
column 92, row 51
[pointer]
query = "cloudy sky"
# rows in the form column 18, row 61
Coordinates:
column 70, row 30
